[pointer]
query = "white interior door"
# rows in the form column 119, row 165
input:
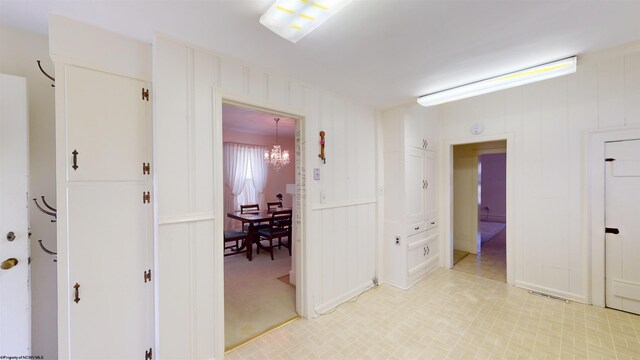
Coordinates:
column 623, row 227
column 15, row 295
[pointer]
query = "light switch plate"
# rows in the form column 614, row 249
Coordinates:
column 316, row 174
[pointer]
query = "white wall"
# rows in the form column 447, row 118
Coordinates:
column 339, row 233
column 19, row 51
column 548, row 121
column 465, row 198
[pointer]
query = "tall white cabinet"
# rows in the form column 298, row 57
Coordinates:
column 105, row 215
column 410, row 228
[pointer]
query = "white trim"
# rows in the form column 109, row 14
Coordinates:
column 595, row 224
column 185, row 218
column 446, row 210
column 549, row 291
column 339, row 204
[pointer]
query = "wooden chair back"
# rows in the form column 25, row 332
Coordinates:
column 273, row 205
column 249, row 208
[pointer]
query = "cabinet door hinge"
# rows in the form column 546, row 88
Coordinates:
column 146, row 168
column 147, row 276
column 148, row 354
column 146, row 197
column 145, row 94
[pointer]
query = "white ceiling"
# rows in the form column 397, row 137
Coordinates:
column 256, row 122
column 380, row 52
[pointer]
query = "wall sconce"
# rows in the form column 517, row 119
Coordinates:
column 321, row 156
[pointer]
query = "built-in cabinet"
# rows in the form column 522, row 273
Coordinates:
column 105, row 215
column 410, row 230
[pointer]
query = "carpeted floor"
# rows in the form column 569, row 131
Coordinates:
column 255, row 299
column 489, row 229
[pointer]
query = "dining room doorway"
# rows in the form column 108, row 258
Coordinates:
column 261, row 176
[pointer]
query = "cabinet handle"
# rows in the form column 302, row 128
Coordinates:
column 77, row 293
column 416, row 228
column 425, row 251
column 426, row 144
column 433, row 223
column 75, row 159
column 426, row 184
column 428, row 251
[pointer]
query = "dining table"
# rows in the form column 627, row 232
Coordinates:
column 253, row 218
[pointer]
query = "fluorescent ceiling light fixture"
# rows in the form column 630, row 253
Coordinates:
column 294, row 19
column 506, row 81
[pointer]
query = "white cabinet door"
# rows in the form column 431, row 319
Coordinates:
column 15, row 295
column 431, row 197
column 109, row 251
column 415, row 185
column 430, row 128
column 414, row 127
column 622, row 209
column 108, row 135
column 107, row 221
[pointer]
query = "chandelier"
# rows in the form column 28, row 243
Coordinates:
column 277, row 157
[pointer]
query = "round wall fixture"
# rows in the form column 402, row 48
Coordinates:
column 476, row 129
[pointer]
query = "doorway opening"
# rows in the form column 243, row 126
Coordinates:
column 260, row 258
column 479, row 209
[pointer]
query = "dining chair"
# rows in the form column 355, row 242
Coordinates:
column 279, row 227
column 274, row 205
column 245, row 209
column 234, row 236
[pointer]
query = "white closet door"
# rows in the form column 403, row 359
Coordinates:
column 623, row 238
column 431, row 206
column 108, row 253
column 106, row 126
column 108, row 220
column 415, row 185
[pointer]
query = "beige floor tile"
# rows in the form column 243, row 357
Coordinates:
column 454, row 315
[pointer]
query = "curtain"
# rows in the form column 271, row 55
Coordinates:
column 259, row 171
column 240, row 161
column 235, row 163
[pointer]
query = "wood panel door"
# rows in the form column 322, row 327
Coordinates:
column 623, row 228
column 15, row 294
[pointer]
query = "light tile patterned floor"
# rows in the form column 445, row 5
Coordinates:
column 454, row 315
column 491, row 262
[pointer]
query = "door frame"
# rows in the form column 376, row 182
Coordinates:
column 594, row 278
column 302, row 256
column 446, row 231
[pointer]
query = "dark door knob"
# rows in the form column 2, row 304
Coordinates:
column 11, row 236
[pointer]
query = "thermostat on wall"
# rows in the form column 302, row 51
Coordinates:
column 476, row 129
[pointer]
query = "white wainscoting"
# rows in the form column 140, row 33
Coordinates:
column 339, row 243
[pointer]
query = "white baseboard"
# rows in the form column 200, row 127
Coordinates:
column 494, row 218
column 342, row 299
column 554, row 292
